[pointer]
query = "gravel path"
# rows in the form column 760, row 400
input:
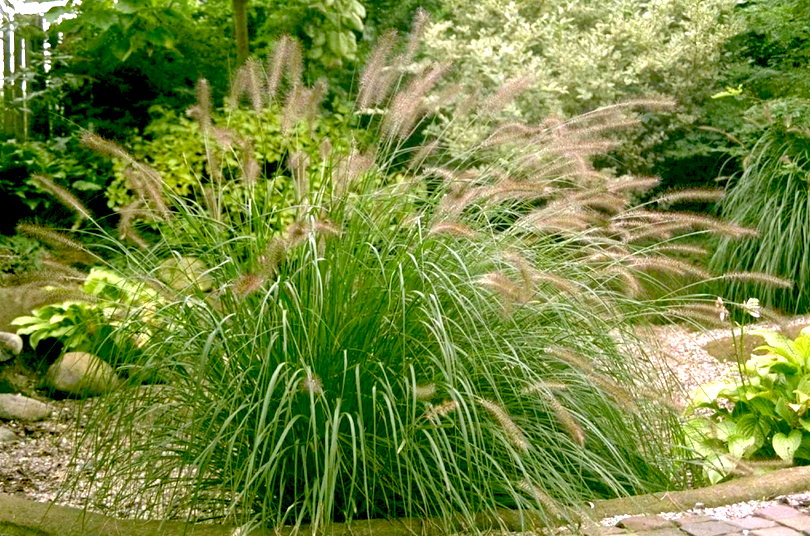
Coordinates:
column 35, row 464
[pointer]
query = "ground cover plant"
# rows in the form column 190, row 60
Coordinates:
column 758, row 416
column 429, row 335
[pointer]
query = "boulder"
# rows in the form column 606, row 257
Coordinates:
column 22, row 408
column 81, row 374
column 7, row 435
column 10, row 345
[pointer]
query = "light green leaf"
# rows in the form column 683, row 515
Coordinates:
column 786, row 446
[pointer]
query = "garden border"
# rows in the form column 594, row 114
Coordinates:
column 21, row 517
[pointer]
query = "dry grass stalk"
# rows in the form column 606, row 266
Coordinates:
column 512, row 430
column 66, row 198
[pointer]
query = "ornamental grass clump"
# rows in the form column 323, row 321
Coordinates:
column 430, row 337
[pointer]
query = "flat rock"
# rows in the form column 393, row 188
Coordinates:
column 81, row 374
column 23, row 408
column 7, row 435
column 639, row 523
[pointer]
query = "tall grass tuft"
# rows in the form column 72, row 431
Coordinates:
column 430, row 337
column 771, row 195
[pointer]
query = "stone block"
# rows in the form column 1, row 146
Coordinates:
column 752, row 523
column 777, row 512
column 644, row 523
column 709, row 528
column 776, row 531
column 800, row 522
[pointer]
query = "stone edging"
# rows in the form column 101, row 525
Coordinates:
column 20, row 517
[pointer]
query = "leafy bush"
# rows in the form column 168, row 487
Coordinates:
column 176, row 147
column 421, row 340
column 760, row 415
column 575, row 56
column 771, row 195
column 60, row 158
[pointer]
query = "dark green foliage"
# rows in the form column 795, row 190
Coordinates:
column 772, row 195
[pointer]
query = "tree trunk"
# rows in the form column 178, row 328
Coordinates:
column 240, row 23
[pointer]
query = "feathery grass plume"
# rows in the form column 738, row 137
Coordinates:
column 407, row 106
column 50, row 236
column 632, row 184
column 452, row 228
column 559, row 283
column 568, row 422
column 420, row 21
column 470, row 102
column 619, row 394
column 421, row 155
column 372, row 90
column 153, row 184
column 543, row 386
column 659, row 103
column 41, row 277
column 271, row 259
column 253, row 70
column 104, row 147
column 251, row 169
column 201, row 111
column 643, row 231
column 631, row 284
column 294, row 107
column 54, row 295
column 509, row 133
column 239, row 85
column 325, row 150
column 325, row 228
column 692, row 220
column 699, row 316
column 669, row 265
column 126, row 222
column 442, row 410
column 574, row 359
column 425, row 391
column 295, row 63
column 682, row 248
column 691, row 195
column 212, row 202
column 507, row 189
column 296, row 233
column 759, row 277
column 512, row 430
column 524, row 268
column 66, row 198
column 315, row 97
column 507, row 93
column 299, row 164
column 275, row 68
column 504, row 286
column 350, row 169
column 247, row 284
column 312, row 384
column 60, row 267
column 542, row 498
column 595, row 131
column 605, row 202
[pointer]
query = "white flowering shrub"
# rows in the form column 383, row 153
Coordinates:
column 581, row 54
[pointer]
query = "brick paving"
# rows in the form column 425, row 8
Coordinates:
column 777, row 520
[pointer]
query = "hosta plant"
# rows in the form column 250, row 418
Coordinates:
column 87, row 321
column 760, row 416
column 428, row 336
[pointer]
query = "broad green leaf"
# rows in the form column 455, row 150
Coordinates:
column 747, row 426
column 725, row 429
column 785, row 446
column 742, row 448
